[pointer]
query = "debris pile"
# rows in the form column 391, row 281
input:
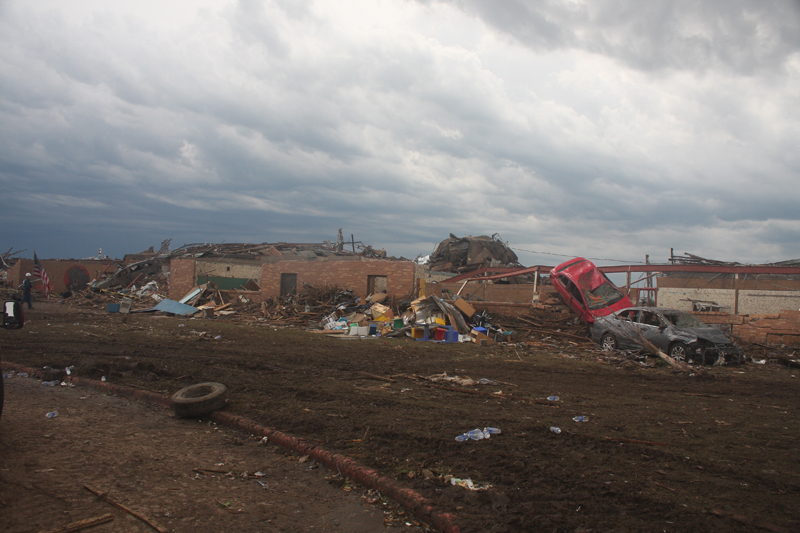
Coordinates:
column 424, row 319
column 541, row 323
column 780, row 329
column 470, row 253
column 551, row 301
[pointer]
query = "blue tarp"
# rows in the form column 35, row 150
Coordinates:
column 176, row 308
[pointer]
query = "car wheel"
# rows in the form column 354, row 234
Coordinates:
column 199, row 400
column 679, row 351
column 608, row 342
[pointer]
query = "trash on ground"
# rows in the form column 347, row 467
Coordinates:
column 478, row 434
column 468, row 484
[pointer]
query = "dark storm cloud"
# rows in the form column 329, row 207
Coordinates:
column 613, row 126
column 745, row 36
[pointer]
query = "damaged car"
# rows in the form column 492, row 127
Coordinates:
column 677, row 333
column 586, row 290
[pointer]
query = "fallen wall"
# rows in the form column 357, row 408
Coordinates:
column 783, row 328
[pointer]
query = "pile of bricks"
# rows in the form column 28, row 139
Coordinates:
column 783, row 328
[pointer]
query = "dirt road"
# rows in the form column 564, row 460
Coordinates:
column 182, row 475
column 711, row 450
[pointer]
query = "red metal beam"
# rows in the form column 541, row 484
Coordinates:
column 476, row 273
column 509, row 272
column 713, row 269
column 529, row 270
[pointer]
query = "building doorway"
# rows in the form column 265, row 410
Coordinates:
column 376, row 284
column 288, row 284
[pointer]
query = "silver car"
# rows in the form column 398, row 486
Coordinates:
column 677, row 333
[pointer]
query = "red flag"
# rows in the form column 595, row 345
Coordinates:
column 38, row 272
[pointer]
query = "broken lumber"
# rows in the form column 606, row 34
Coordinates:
column 83, row 524
column 131, row 512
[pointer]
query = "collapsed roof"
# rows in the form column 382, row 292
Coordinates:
column 462, row 254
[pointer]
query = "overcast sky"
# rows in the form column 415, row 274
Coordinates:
column 604, row 128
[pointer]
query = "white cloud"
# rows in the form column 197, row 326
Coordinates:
column 595, row 128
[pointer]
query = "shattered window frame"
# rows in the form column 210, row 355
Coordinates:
column 604, row 295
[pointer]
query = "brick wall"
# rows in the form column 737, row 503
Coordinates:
column 181, row 277
column 228, row 269
column 63, row 272
column 742, row 302
column 477, row 291
column 346, row 274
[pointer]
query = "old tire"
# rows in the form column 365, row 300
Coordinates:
column 608, row 342
column 680, row 352
column 199, row 400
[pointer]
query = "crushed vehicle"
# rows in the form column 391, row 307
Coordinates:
column 586, row 290
column 680, row 334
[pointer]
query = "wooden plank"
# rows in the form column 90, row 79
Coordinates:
column 127, row 510
column 83, row 524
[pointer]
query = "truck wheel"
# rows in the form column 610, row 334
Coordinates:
column 199, row 400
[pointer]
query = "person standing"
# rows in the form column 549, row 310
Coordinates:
column 27, row 287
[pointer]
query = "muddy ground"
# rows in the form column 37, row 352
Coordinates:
column 180, row 475
column 661, row 451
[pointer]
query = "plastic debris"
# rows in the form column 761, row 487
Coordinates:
column 478, row 434
column 581, row 418
column 468, row 484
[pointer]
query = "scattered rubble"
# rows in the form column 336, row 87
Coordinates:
column 462, row 254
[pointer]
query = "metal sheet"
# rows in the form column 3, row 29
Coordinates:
column 176, row 308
